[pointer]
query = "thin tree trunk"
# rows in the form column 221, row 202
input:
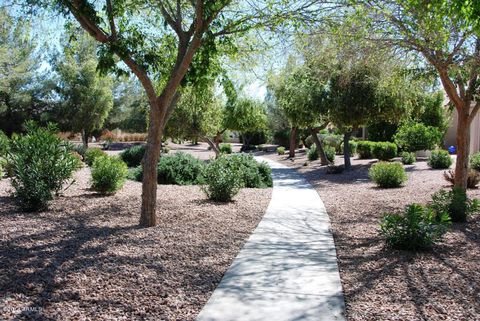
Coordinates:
column 319, row 145
column 346, row 150
column 84, row 139
column 213, row 145
column 293, row 140
column 463, row 149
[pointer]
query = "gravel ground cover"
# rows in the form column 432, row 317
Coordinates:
column 86, row 258
column 384, row 284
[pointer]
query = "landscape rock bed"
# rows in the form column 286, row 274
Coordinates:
column 384, row 284
column 87, row 259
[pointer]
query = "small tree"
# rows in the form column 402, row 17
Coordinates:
column 86, row 96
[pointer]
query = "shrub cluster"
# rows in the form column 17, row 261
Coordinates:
column 179, row 169
column 135, row 173
column 418, row 228
column 281, row 150
column 440, row 159
column 455, row 203
column 388, row 175
column 408, row 158
column 108, row 174
column 413, row 137
column 475, row 161
column 252, row 173
column 365, row 149
column 312, row 153
column 221, row 182
column 92, row 153
column 133, row 156
column 41, row 163
column 384, row 150
column 225, row 148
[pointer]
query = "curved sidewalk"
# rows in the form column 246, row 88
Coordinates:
column 288, row 269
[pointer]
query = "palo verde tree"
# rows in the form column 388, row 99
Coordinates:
column 86, row 96
column 301, row 96
column 446, row 33
column 162, row 42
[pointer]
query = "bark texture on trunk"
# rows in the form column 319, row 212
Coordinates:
column 346, row 150
column 213, row 145
column 463, row 149
column 293, row 140
column 85, row 139
column 319, row 145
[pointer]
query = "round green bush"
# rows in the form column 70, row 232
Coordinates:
column 439, row 159
column 413, row 137
column 330, row 153
column 252, row 173
column 40, row 163
column 475, row 161
column 92, row 153
column 384, row 150
column 179, row 169
column 225, row 148
column 312, row 153
column 418, row 228
column 220, row 181
column 133, row 156
column 281, row 150
column 108, row 174
column 408, row 158
column 388, row 175
column 365, row 149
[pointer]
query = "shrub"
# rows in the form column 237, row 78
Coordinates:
column 4, row 144
column 133, row 156
column 329, row 153
column 384, row 150
column 365, row 149
column 281, row 150
column 92, row 153
column 455, row 203
column 333, row 140
column 408, row 158
column 135, row 174
column 7, row 167
column 252, row 173
column 179, row 169
column 225, row 148
column 418, row 228
column 472, row 180
column 388, row 175
column 413, row 137
column 312, row 153
column 439, row 159
column 353, row 147
column 108, row 174
column 220, row 181
column 475, row 161
column 41, row 163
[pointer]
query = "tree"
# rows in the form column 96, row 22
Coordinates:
column 86, row 96
column 173, row 41
column 301, row 96
column 446, row 33
column 22, row 91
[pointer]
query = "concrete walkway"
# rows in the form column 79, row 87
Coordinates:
column 288, row 269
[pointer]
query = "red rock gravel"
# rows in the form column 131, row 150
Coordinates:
column 384, row 284
column 86, row 258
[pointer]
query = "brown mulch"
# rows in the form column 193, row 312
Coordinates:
column 87, row 259
column 384, row 284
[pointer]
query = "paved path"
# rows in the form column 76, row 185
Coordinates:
column 288, row 269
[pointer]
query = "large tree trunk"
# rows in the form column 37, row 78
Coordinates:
column 319, row 145
column 85, row 138
column 293, row 142
column 463, row 149
column 149, row 163
column 346, row 150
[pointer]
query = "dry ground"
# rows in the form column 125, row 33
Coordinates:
column 384, row 284
column 86, row 258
